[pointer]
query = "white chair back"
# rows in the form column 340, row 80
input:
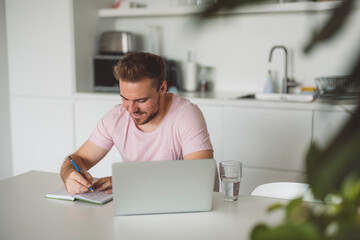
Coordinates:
column 283, row 190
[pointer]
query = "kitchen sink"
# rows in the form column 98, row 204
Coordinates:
column 279, row 97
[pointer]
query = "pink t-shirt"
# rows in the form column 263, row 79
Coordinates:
column 182, row 131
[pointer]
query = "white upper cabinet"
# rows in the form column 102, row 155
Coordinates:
column 40, row 47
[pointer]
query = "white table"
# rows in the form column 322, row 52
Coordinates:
column 26, row 214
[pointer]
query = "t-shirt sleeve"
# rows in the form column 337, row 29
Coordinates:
column 102, row 134
column 194, row 134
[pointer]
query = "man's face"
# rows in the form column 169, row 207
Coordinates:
column 141, row 100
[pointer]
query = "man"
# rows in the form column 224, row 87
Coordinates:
column 149, row 125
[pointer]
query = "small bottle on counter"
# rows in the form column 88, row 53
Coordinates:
column 269, row 85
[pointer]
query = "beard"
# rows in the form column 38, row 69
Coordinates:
column 150, row 116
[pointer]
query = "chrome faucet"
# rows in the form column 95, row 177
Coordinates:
column 287, row 83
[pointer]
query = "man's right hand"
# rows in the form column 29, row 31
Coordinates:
column 86, row 157
column 75, row 183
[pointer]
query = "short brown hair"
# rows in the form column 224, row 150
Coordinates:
column 134, row 67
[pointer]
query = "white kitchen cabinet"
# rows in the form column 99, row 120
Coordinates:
column 327, row 125
column 87, row 114
column 40, row 47
column 40, row 36
column 42, row 134
column 267, row 138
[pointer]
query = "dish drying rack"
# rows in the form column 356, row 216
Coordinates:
column 338, row 86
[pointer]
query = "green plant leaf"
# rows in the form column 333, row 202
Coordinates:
column 275, row 206
column 337, row 20
column 227, row 5
column 350, row 190
column 307, row 231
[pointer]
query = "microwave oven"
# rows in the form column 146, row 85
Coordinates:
column 104, row 79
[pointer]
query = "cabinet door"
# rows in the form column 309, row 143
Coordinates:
column 87, row 115
column 267, row 138
column 40, row 47
column 42, row 134
column 327, row 124
column 214, row 121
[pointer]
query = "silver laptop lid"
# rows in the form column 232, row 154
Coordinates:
column 163, row 186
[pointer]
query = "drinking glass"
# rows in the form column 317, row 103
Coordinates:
column 230, row 175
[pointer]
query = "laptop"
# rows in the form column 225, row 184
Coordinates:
column 163, row 186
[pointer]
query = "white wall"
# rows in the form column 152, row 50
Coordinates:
column 5, row 136
column 238, row 46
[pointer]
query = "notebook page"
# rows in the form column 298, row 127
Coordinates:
column 98, row 197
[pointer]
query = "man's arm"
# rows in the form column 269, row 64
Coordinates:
column 199, row 155
column 86, row 157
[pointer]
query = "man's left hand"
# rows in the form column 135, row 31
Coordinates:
column 104, row 184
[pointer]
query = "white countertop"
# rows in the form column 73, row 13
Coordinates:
column 230, row 99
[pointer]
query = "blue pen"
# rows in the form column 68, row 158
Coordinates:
column 77, row 169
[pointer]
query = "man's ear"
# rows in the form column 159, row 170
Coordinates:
column 163, row 87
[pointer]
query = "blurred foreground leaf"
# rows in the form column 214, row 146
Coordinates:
column 286, row 231
column 226, row 5
column 335, row 23
column 275, row 206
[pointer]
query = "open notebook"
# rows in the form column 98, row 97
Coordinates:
column 92, row 197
